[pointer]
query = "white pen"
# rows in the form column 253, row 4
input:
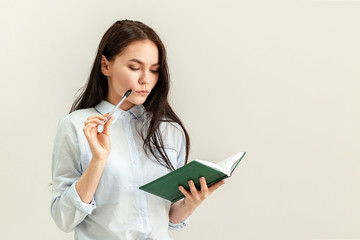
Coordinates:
column 118, row 105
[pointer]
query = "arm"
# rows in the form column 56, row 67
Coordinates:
column 182, row 209
column 73, row 192
column 100, row 148
column 89, row 180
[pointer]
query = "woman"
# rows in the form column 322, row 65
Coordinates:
column 96, row 176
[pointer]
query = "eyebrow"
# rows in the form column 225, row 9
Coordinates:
column 140, row 62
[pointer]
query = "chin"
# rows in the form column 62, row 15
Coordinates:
column 137, row 101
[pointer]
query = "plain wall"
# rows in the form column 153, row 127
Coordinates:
column 277, row 79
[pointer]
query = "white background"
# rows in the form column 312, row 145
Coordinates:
column 277, row 79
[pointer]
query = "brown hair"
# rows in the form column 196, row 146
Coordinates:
column 114, row 41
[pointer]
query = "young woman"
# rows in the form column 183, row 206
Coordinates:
column 97, row 175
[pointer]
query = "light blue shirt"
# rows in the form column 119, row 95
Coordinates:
column 119, row 209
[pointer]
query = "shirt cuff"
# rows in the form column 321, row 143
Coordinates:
column 75, row 199
column 178, row 226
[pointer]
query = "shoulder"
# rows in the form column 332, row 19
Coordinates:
column 171, row 128
column 172, row 132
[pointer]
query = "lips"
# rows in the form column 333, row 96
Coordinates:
column 142, row 92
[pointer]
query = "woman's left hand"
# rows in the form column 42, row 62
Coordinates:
column 195, row 197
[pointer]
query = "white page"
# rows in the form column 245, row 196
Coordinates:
column 225, row 165
column 229, row 162
column 212, row 165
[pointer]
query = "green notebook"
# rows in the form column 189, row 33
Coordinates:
column 167, row 185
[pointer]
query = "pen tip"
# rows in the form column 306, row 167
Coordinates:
column 127, row 93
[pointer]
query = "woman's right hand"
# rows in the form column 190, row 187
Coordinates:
column 99, row 141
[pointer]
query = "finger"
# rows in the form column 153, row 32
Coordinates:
column 94, row 120
column 107, row 126
column 216, row 185
column 106, row 115
column 203, row 184
column 89, row 128
column 99, row 116
column 193, row 189
column 184, row 191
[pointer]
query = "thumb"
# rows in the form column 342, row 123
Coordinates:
column 216, row 185
column 107, row 126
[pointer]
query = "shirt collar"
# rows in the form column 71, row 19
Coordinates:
column 137, row 111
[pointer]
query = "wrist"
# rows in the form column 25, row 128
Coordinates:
column 189, row 206
column 99, row 161
column 100, row 155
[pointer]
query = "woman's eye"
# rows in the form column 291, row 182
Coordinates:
column 134, row 68
column 154, row 70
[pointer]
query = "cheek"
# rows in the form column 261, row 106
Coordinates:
column 129, row 81
column 126, row 78
column 154, row 82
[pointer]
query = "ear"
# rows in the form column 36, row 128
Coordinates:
column 105, row 66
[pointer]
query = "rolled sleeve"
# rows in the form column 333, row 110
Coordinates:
column 75, row 199
column 178, row 226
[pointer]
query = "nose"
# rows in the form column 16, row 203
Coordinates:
column 144, row 78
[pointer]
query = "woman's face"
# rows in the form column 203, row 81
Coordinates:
column 135, row 68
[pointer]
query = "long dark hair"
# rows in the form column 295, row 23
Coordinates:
column 114, row 41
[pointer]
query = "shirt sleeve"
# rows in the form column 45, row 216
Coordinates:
column 178, row 226
column 181, row 147
column 67, row 209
